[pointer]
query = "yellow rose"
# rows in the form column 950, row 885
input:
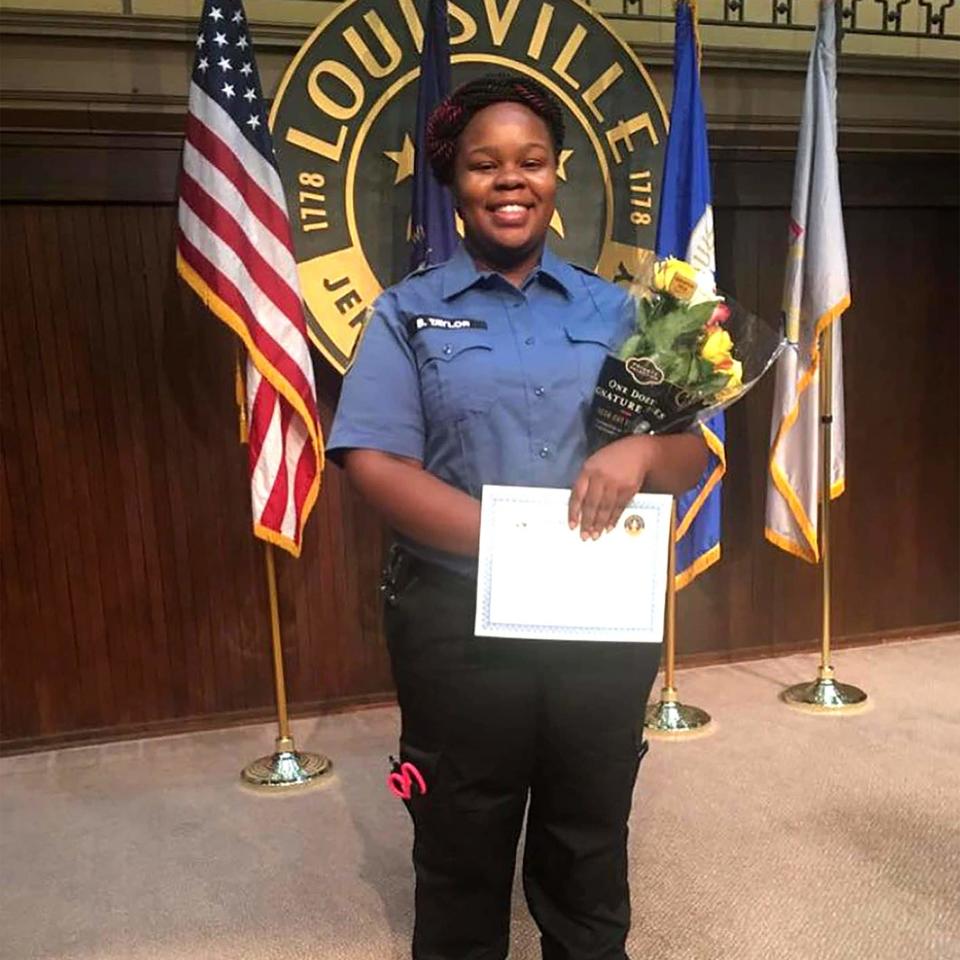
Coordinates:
column 717, row 347
column 676, row 277
column 736, row 375
column 734, row 383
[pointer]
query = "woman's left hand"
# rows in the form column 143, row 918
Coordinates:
column 607, row 482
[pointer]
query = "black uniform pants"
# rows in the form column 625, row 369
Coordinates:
column 490, row 724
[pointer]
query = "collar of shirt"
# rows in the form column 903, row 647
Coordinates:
column 461, row 273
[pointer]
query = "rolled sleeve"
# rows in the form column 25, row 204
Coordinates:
column 380, row 406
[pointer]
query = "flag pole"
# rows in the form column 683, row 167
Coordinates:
column 285, row 767
column 668, row 718
column 825, row 695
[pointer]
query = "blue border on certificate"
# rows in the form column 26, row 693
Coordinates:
column 655, row 516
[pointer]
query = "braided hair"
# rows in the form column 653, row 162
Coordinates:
column 454, row 112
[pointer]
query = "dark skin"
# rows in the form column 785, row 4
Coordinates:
column 505, row 184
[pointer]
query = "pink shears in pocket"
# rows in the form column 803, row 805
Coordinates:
column 402, row 778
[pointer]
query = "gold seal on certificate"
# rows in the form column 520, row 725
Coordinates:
column 537, row 580
column 634, row 524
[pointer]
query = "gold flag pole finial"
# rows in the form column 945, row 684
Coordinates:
column 825, row 695
column 669, row 718
column 286, row 767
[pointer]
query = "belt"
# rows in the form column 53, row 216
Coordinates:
column 404, row 567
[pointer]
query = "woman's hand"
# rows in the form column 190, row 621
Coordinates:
column 607, row 482
column 611, row 477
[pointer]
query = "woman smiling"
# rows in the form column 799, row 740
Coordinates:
column 480, row 371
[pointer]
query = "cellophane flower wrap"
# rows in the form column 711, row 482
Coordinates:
column 693, row 352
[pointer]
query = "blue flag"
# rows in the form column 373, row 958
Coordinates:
column 432, row 230
column 685, row 230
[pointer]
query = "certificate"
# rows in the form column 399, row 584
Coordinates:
column 538, row 580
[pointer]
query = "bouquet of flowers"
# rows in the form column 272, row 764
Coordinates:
column 693, row 353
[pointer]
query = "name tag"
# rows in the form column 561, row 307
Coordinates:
column 416, row 324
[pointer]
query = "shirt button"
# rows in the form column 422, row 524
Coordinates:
column 544, row 453
column 447, row 349
column 529, row 341
column 539, row 391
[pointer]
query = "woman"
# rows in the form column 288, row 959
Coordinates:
column 479, row 371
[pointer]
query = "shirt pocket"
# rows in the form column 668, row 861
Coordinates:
column 592, row 341
column 457, row 373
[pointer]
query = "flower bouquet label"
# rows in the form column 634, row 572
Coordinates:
column 693, row 352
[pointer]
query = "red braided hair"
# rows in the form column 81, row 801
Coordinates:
column 455, row 111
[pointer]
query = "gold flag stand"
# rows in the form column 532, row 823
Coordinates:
column 824, row 695
column 669, row 718
column 286, row 767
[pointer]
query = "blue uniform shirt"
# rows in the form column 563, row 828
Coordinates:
column 481, row 382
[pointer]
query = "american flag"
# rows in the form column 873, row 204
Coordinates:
column 234, row 249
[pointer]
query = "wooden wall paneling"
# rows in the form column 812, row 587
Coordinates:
column 80, row 454
column 134, row 595
column 87, row 461
column 88, row 455
column 872, row 453
column 110, row 318
column 335, row 577
column 151, row 261
column 57, row 167
column 940, row 473
column 351, row 551
column 901, row 520
column 191, row 547
column 148, row 264
column 319, row 600
column 16, row 560
column 43, row 493
column 759, row 595
column 19, row 553
column 22, row 458
column 232, row 563
column 16, row 702
column 748, row 578
column 117, row 316
column 169, row 461
column 212, row 557
column 122, row 317
column 169, row 450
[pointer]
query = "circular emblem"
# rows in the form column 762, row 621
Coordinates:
column 644, row 370
column 343, row 125
column 634, row 524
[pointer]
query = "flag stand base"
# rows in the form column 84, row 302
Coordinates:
column 825, row 696
column 285, row 768
column 674, row 720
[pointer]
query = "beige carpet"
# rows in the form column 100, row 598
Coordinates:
column 779, row 837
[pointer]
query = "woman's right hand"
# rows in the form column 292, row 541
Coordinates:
column 608, row 481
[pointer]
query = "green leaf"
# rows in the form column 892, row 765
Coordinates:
column 680, row 368
column 646, row 311
column 701, row 371
column 630, row 347
column 713, row 385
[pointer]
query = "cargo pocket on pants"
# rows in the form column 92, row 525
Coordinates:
column 414, row 776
